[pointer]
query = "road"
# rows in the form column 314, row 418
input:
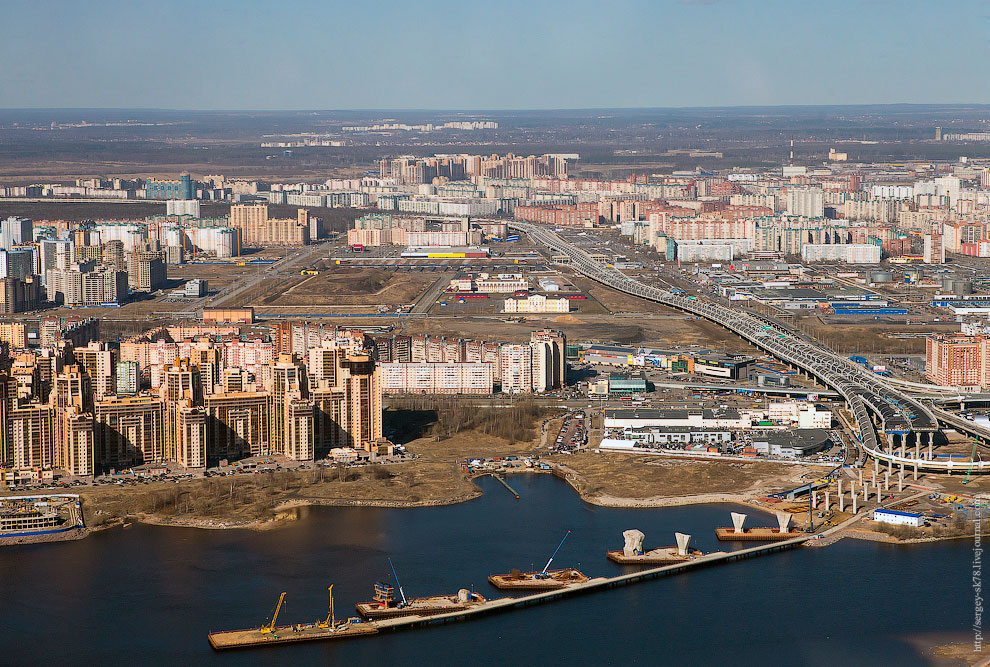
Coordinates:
column 866, row 393
column 298, row 257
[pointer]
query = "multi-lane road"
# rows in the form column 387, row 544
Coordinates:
column 875, row 403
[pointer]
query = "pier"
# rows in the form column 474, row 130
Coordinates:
column 248, row 638
column 505, row 484
column 594, row 585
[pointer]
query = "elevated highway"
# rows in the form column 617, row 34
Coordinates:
column 873, row 402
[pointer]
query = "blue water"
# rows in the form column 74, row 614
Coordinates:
column 150, row 595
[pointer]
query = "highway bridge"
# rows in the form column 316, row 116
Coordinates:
column 873, row 402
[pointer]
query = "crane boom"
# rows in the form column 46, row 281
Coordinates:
column 331, row 621
column 547, row 566
column 270, row 626
column 401, row 594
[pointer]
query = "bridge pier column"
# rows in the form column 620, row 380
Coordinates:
column 886, row 481
column 931, row 439
column 854, row 504
column 916, row 471
column 826, row 502
column 879, row 494
column 860, row 471
column 890, row 463
column 917, row 449
column 900, row 481
column 842, row 502
column 840, row 485
column 814, row 499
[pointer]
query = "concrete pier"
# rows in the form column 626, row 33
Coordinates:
column 842, row 503
column 900, row 481
column 854, row 504
column 826, row 502
column 886, row 481
column 916, row 471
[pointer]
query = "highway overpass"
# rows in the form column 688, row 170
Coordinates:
column 874, row 403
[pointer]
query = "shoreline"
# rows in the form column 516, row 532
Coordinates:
column 290, row 510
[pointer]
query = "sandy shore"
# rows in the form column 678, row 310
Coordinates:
column 665, row 501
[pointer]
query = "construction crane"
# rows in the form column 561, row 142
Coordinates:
column 331, row 621
column 401, row 594
column 269, row 627
column 543, row 572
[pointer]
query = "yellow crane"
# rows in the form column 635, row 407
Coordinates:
column 331, row 621
column 269, row 627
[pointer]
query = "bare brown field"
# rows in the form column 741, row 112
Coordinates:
column 869, row 338
column 346, row 286
column 640, row 477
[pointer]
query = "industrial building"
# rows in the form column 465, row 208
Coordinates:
column 899, row 518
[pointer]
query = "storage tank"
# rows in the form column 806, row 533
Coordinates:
column 962, row 287
column 881, row 277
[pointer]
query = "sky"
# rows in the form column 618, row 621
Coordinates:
column 492, row 55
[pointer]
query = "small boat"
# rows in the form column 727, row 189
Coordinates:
column 545, row 579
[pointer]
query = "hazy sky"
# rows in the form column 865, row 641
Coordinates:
column 496, row 54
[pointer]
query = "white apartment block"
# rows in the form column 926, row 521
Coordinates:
column 436, row 378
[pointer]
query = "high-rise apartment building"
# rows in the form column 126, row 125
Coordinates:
column 238, row 424
column 958, row 361
column 258, row 230
column 128, row 374
column 96, row 360
column 130, row 431
column 549, row 365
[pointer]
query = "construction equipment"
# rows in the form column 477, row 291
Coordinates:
column 543, row 572
column 331, row 621
column 401, row 594
column 269, row 627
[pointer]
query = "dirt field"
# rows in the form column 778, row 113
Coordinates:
column 346, row 286
column 869, row 338
column 642, row 477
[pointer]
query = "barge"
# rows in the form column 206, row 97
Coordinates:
column 286, row 634
column 658, row 556
column 544, row 580
column 384, row 604
column 632, row 552
column 270, row 633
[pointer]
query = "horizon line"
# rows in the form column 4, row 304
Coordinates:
column 511, row 110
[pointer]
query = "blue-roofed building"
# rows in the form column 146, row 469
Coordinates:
column 899, row 518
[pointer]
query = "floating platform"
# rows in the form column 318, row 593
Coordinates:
column 537, row 581
column 758, row 534
column 426, row 606
column 658, row 556
column 285, row 634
